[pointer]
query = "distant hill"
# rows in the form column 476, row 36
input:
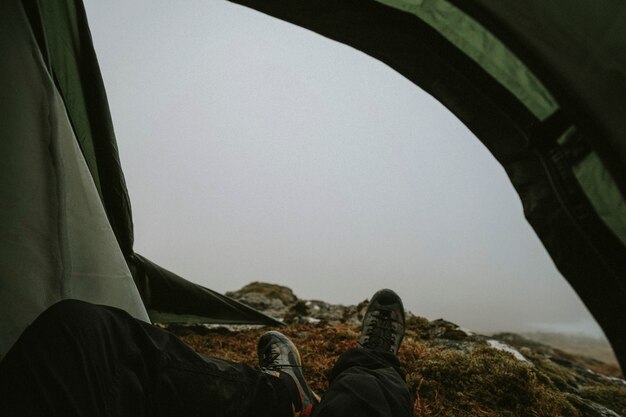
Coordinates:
column 576, row 344
column 452, row 372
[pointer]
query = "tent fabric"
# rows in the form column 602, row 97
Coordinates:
column 65, row 43
column 56, row 239
column 572, row 190
column 66, row 40
column 486, row 49
column 579, row 52
column 172, row 299
column 65, row 216
column 602, row 192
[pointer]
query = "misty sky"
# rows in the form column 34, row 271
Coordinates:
column 257, row 150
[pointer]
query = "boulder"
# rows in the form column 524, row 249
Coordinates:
column 272, row 299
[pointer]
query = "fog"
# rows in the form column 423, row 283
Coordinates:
column 257, row 150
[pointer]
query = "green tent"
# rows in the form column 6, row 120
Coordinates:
column 541, row 84
column 65, row 214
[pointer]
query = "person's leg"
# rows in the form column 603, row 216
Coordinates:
column 367, row 381
column 78, row 359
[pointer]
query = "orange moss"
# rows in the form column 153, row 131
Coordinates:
column 445, row 382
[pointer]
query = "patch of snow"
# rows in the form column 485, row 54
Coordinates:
column 313, row 320
column 316, row 307
column 506, row 348
column 613, row 379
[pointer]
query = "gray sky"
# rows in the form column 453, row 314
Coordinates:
column 256, row 150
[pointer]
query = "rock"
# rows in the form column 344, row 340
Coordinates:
column 271, row 299
column 296, row 312
column 280, row 302
column 436, row 329
column 272, row 291
column 315, row 311
column 443, row 329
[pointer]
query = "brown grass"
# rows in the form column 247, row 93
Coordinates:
column 445, row 382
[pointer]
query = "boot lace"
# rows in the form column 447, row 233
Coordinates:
column 381, row 331
column 270, row 358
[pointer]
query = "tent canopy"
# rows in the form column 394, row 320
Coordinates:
column 541, row 84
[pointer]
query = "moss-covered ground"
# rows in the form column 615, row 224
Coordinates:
column 445, row 382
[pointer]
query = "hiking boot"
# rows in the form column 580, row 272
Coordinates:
column 278, row 356
column 383, row 324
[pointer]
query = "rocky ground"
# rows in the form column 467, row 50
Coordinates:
column 452, row 372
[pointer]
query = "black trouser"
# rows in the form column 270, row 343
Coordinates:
column 366, row 383
column 79, row 359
